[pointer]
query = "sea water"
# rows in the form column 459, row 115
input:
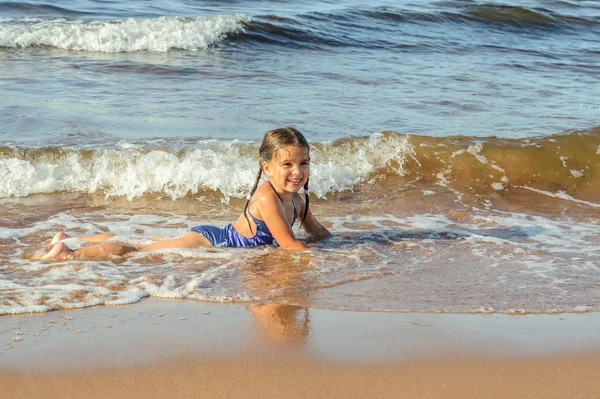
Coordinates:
column 455, row 150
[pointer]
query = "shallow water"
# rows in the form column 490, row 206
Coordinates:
column 418, row 251
column 455, row 150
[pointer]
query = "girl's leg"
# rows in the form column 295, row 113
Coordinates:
column 58, row 237
column 187, row 240
column 100, row 251
column 58, row 251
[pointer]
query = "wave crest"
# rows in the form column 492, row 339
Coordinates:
column 134, row 34
column 559, row 166
column 226, row 167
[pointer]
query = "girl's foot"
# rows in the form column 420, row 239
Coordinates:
column 58, row 249
column 58, row 237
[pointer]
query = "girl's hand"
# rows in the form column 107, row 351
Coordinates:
column 311, row 225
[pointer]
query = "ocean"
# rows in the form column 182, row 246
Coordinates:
column 455, row 150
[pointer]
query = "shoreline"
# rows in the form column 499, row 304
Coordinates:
column 160, row 348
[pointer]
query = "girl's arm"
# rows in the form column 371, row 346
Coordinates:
column 272, row 212
column 311, row 224
column 313, row 227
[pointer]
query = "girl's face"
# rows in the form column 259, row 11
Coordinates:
column 289, row 169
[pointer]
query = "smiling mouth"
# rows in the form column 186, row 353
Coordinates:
column 295, row 181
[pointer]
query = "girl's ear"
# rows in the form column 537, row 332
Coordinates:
column 265, row 167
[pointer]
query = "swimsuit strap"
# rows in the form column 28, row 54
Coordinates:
column 276, row 193
column 256, row 220
column 280, row 199
column 260, row 222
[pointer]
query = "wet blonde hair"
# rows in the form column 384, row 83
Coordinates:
column 273, row 141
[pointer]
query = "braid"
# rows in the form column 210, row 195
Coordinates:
column 258, row 176
column 306, row 199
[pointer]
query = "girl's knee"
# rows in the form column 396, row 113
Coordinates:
column 117, row 249
column 104, row 250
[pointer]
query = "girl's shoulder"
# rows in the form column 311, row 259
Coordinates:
column 264, row 198
column 264, row 192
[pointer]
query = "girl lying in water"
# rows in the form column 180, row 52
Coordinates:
column 270, row 212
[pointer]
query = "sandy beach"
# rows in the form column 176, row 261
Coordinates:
column 454, row 152
column 193, row 349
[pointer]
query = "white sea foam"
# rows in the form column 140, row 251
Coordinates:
column 341, row 167
column 227, row 167
column 134, row 34
column 577, row 173
column 131, row 295
column 5, row 310
column 561, row 195
column 509, row 262
column 485, row 309
column 582, row 309
column 475, row 150
column 76, row 284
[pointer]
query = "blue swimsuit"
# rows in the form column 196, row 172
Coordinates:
column 228, row 237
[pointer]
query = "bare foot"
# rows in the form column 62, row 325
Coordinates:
column 58, row 237
column 57, row 250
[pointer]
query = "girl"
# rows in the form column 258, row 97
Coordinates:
column 270, row 212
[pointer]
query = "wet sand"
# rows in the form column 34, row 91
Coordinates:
column 191, row 349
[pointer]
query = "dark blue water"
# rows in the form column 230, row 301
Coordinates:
column 93, row 73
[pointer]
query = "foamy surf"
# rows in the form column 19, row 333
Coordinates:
column 480, row 261
column 226, row 167
column 517, row 171
column 122, row 36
